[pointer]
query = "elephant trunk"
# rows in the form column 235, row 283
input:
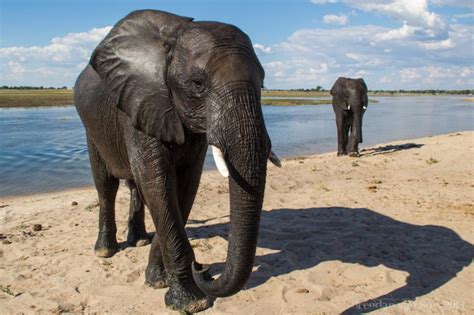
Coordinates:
column 246, row 147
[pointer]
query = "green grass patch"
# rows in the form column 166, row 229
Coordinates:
column 6, row 289
column 293, row 102
column 46, row 97
column 431, row 161
column 287, row 93
column 298, row 102
column 35, row 98
column 91, row 207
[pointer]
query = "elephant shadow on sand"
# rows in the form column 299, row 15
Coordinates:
column 432, row 255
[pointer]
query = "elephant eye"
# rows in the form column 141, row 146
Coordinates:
column 197, row 83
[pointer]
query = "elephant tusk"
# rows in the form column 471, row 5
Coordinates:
column 220, row 162
column 364, row 107
column 274, row 159
column 348, row 106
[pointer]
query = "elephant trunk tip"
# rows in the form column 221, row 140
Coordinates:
column 199, row 269
column 213, row 287
column 202, row 276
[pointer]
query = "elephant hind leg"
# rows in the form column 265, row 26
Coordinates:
column 107, row 186
column 137, row 235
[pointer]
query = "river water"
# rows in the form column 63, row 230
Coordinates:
column 44, row 149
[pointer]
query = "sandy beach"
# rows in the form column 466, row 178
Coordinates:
column 390, row 232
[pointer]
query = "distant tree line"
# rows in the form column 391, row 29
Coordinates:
column 316, row 89
column 431, row 91
column 23, row 87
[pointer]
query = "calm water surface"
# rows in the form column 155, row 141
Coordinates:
column 44, row 149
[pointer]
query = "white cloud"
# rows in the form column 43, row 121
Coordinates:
column 461, row 17
column 465, row 72
column 335, row 19
column 311, row 57
column 54, row 64
column 436, row 45
column 260, row 49
column 15, row 68
column 460, row 77
column 418, row 21
column 295, row 71
column 423, row 51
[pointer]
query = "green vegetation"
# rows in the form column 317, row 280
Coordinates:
column 35, row 97
column 294, row 93
column 431, row 161
column 293, row 102
column 91, row 207
column 6, row 289
column 298, row 102
column 321, row 92
column 26, row 87
column 421, row 92
column 28, row 96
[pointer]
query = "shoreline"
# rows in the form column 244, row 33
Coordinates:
column 394, row 225
column 10, row 98
column 291, row 158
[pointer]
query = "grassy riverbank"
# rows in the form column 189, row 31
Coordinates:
column 293, row 102
column 51, row 97
column 35, row 98
column 299, row 102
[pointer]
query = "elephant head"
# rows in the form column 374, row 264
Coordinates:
column 173, row 76
column 351, row 94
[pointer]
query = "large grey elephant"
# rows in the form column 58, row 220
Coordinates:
column 349, row 101
column 157, row 90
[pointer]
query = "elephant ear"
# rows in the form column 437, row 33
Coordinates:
column 338, row 94
column 364, row 95
column 132, row 61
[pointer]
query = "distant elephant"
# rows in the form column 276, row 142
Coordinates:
column 349, row 101
column 157, row 90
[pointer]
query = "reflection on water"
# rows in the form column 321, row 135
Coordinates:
column 44, row 149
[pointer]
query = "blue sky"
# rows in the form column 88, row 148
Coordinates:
column 392, row 44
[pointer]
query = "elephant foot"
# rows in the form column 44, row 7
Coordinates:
column 185, row 300
column 105, row 246
column 341, row 153
column 156, row 277
column 354, row 154
column 138, row 238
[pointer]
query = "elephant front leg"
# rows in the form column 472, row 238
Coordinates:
column 156, row 176
column 155, row 274
column 177, row 255
column 341, row 134
column 353, row 146
column 137, row 235
column 356, row 135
